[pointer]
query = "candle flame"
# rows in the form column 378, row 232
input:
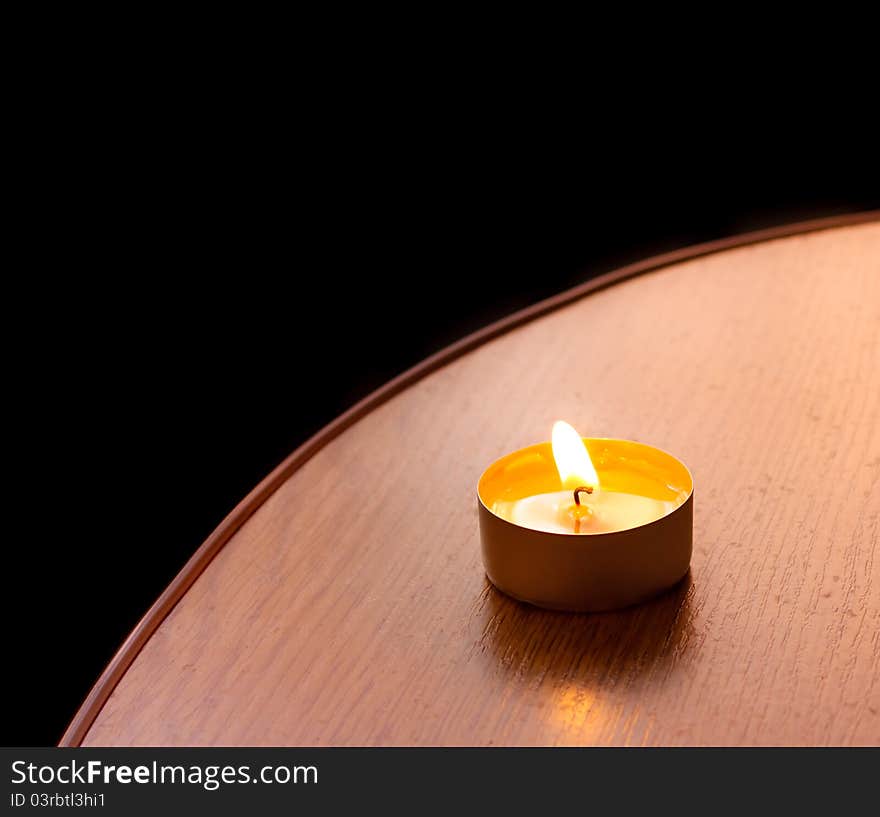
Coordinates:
column 572, row 458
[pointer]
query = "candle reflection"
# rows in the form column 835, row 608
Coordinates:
column 587, row 672
column 572, row 709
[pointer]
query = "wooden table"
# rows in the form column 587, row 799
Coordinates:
column 344, row 601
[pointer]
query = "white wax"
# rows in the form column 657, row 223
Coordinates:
column 602, row 511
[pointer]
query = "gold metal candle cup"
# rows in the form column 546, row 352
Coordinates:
column 595, row 571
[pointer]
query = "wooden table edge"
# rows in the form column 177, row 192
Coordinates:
column 125, row 656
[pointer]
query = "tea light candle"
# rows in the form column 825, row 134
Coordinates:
column 585, row 524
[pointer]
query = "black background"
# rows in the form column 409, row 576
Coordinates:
column 191, row 310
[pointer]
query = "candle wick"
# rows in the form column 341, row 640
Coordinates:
column 577, row 493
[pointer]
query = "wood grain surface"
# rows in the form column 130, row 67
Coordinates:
column 368, row 621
